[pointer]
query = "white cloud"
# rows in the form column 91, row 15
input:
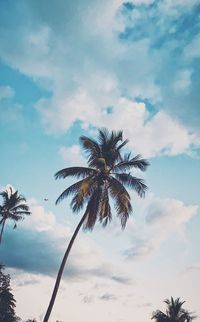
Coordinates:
column 10, row 111
column 88, row 68
column 150, row 136
column 183, row 81
column 46, row 240
column 6, row 92
column 94, row 268
column 72, row 155
column 39, row 220
column 164, row 218
column 192, row 50
column 157, row 135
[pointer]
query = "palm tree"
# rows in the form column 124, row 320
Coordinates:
column 107, row 174
column 174, row 312
column 13, row 208
column 7, row 300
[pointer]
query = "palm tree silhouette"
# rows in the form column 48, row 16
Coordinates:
column 13, row 208
column 174, row 312
column 106, row 175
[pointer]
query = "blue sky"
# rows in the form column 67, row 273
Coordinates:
column 66, row 69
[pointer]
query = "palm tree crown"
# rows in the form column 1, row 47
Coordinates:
column 174, row 312
column 107, row 174
column 13, row 208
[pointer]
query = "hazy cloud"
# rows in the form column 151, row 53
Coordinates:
column 108, row 297
column 141, row 67
column 163, row 219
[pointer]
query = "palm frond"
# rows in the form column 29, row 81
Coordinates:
column 73, row 189
column 83, row 193
column 122, row 200
column 122, row 144
column 22, row 207
column 159, row 316
column 103, row 137
column 115, row 138
column 22, row 212
column 15, row 200
column 132, row 182
column 77, row 202
column 78, row 172
column 92, row 209
column 116, row 187
column 127, row 163
column 91, row 147
column 108, row 144
column 105, row 214
column 81, row 185
column 17, row 217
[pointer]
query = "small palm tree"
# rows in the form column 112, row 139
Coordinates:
column 174, row 312
column 107, row 174
column 13, row 208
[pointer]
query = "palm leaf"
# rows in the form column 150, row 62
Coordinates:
column 105, row 214
column 21, row 207
column 93, row 208
column 73, row 189
column 78, row 172
column 127, row 163
column 132, row 182
column 122, row 144
column 17, row 217
column 159, row 316
column 83, row 193
column 108, row 144
column 23, row 212
column 104, row 137
column 91, row 147
column 122, row 199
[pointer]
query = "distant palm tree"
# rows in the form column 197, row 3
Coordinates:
column 174, row 312
column 107, row 174
column 13, row 208
column 7, row 300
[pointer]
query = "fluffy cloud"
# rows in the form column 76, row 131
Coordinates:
column 45, row 240
column 72, row 155
column 11, row 112
column 109, row 51
column 164, row 218
column 6, row 92
column 149, row 135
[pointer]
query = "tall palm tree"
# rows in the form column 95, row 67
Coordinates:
column 107, row 174
column 13, row 208
column 173, row 313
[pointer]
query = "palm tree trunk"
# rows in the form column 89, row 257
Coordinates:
column 62, row 266
column 2, row 228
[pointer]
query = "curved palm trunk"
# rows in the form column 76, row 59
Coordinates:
column 62, row 266
column 2, row 228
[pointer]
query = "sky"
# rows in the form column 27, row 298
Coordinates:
column 68, row 68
